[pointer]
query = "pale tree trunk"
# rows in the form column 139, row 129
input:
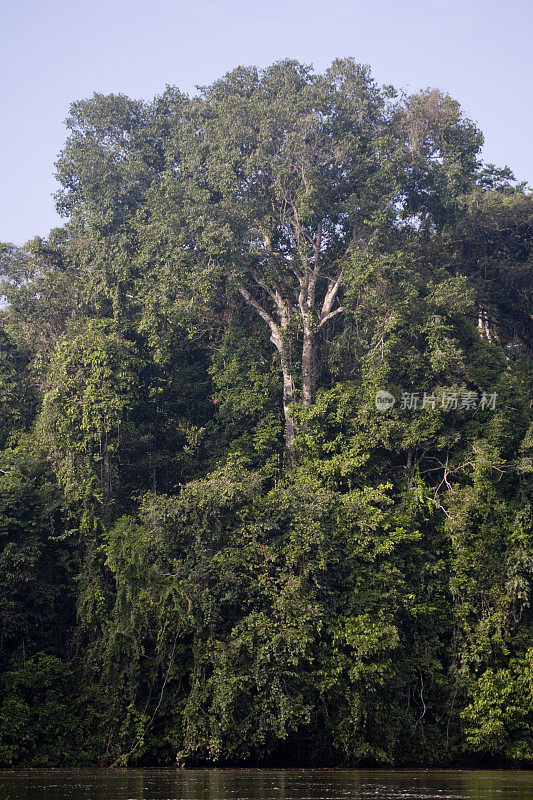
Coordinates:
column 483, row 323
column 308, row 357
column 306, row 303
column 277, row 339
column 307, row 307
column 312, row 321
column 287, row 400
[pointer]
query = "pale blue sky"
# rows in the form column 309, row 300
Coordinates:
column 53, row 52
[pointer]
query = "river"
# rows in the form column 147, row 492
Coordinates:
column 264, row 784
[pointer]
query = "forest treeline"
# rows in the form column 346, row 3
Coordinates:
column 266, row 442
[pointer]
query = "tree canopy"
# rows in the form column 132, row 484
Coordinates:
column 266, row 435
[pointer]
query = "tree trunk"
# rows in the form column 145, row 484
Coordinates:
column 306, row 307
column 483, row 323
column 276, row 337
column 287, row 399
column 308, row 356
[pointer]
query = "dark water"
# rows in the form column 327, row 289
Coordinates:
column 264, row 784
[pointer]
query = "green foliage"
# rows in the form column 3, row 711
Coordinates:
column 91, row 389
column 36, row 719
column 499, row 717
column 182, row 581
column 36, row 591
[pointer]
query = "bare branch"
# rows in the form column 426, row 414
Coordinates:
column 275, row 336
column 318, row 245
column 274, row 294
column 331, row 294
column 331, row 314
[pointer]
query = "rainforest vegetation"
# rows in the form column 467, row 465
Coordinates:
column 217, row 545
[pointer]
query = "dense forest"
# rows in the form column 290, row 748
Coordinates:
column 266, row 441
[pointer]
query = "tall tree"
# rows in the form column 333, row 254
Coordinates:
column 286, row 180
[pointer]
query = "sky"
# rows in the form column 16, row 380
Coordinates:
column 53, row 52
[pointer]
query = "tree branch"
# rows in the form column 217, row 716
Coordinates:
column 274, row 294
column 331, row 314
column 275, row 336
column 331, row 294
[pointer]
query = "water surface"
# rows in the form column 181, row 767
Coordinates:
column 264, row 784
